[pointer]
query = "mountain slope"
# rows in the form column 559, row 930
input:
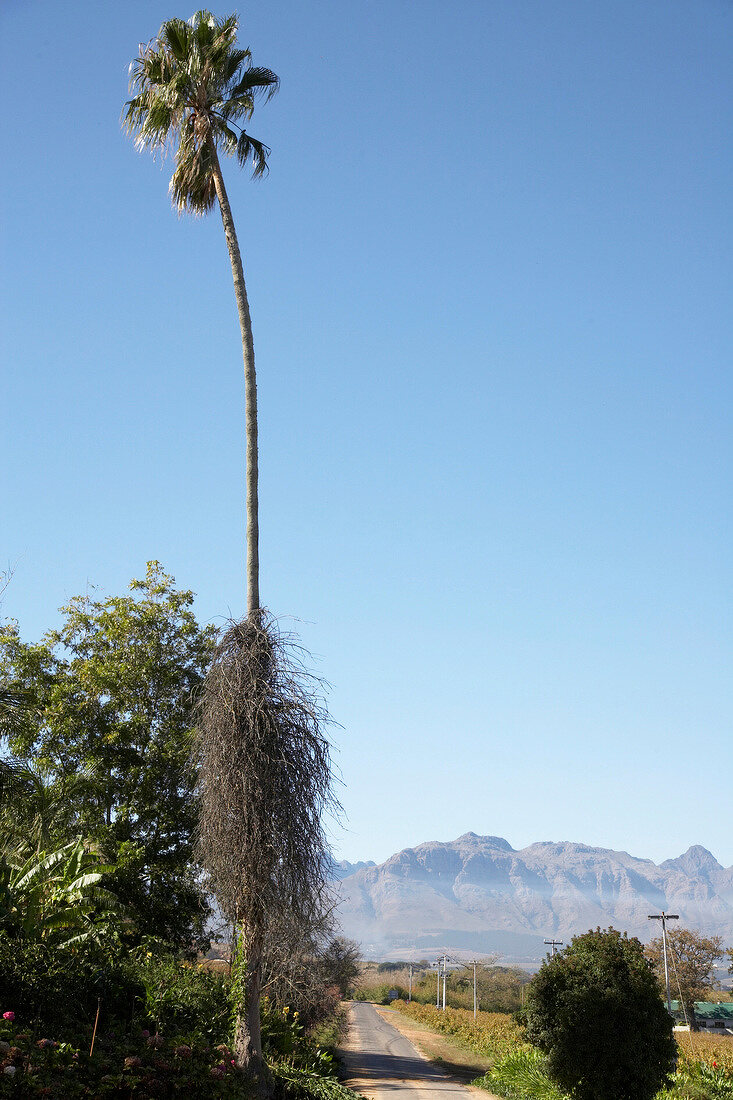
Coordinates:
column 477, row 893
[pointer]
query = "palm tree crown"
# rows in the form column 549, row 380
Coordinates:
column 192, row 83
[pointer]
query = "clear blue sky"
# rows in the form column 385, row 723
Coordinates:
column 490, row 284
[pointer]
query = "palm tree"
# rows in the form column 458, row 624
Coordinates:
column 264, row 760
column 194, row 87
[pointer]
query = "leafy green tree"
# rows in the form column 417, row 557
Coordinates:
column 112, row 696
column 595, row 1011
column 692, row 958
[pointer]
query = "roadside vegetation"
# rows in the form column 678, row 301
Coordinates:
column 499, row 988
column 548, row 1053
column 105, row 925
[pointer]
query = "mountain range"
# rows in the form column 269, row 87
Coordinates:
column 477, row 894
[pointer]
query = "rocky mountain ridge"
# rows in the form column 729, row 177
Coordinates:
column 478, row 894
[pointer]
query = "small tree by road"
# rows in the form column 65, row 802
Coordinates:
column 596, row 1013
column 340, row 963
column 692, row 958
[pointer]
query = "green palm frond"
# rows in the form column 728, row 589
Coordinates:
column 250, row 149
column 190, row 85
column 257, row 81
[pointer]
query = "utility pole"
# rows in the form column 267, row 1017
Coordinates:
column 409, row 995
column 552, row 944
column 443, row 960
column 664, row 917
column 437, row 995
column 474, row 963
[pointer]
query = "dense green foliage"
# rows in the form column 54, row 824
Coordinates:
column 100, row 907
column 57, row 990
column 594, row 1010
column 104, row 705
column 522, row 1075
column 519, row 1075
column 55, row 896
column 163, row 1029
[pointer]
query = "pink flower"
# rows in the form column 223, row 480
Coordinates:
column 8, row 1015
column 145, row 1034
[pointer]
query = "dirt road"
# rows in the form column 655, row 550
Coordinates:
column 380, row 1061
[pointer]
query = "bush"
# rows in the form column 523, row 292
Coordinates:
column 699, row 1081
column 57, row 989
column 184, row 999
column 523, row 1073
column 298, row 1084
column 595, row 1011
column 143, row 1066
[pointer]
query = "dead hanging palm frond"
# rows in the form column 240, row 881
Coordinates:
column 265, row 780
column 291, row 974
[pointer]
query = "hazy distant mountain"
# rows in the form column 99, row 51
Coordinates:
column 477, row 894
column 341, row 868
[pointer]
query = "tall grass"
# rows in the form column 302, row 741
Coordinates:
column 520, row 1074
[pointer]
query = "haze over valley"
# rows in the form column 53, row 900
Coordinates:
column 477, row 894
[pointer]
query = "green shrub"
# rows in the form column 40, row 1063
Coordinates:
column 519, row 1075
column 140, row 1066
column 699, row 1081
column 298, row 1084
column 57, row 989
column 185, row 999
column 594, row 1010
column 286, row 1042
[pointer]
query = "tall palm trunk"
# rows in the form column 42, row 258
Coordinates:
column 247, row 1033
column 250, row 394
column 247, row 1037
